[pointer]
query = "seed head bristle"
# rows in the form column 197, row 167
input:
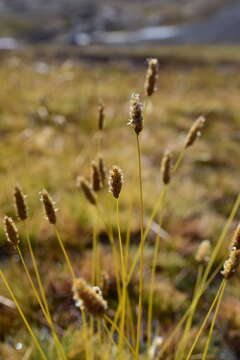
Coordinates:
column 136, row 113
column 87, row 190
column 49, row 207
column 115, row 181
column 195, row 131
column 20, row 203
column 236, row 238
column 96, row 177
column 151, row 77
column 203, row 251
column 231, row 264
column 11, row 231
column 89, row 297
column 102, row 169
column 101, row 116
column 105, row 283
column 166, row 168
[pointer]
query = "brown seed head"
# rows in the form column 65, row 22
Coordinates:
column 195, row 131
column 203, row 251
column 102, row 169
column 105, row 283
column 236, row 238
column 115, row 181
column 101, row 116
column 20, row 203
column 96, row 177
column 136, row 113
column 87, row 190
column 166, row 168
column 49, row 206
column 151, row 76
column 231, row 264
column 90, row 297
column 11, row 231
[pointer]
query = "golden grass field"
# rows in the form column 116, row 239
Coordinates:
column 49, row 136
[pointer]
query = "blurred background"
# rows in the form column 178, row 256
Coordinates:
column 112, row 22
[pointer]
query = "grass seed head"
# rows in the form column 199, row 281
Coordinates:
column 151, row 77
column 96, row 177
column 89, row 297
column 49, row 206
column 231, row 264
column 203, row 251
column 11, row 231
column 115, row 181
column 166, row 168
column 102, row 169
column 87, row 190
column 236, row 238
column 101, row 116
column 136, row 113
column 195, row 131
column 20, row 203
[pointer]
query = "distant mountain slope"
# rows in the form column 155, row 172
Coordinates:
column 223, row 27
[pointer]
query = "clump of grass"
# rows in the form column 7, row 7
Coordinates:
column 121, row 323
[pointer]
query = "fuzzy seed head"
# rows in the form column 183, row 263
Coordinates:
column 115, row 181
column 20, row 203
column 96, row 177
column 203, row 251
column 236, row 238
column 102, row 170
column 166, row 168
column 136, row 114
column 231, row 264
column 89, row 298
column 87, row 190
column 151, row 77
column 101, row 116
column 49, row 207
column 11, row 231
column 195, row 131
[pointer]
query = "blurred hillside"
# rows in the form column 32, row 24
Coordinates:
column 62, row 20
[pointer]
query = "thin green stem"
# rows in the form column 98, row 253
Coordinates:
column 68, row 261
column 139, row 319
column 213, row 322
column 43, row 304
column 151, row 291
column 205, row 320
column 188, row 311
column 107, row 319
column 183, row 341
column 153, row 214
column 35, row 340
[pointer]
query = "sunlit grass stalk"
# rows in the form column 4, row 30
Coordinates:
column 70, row 268
column 28, row 326
column 156, row 208
column 114, row 248
column 139, row 319
column 219, row 294
column 95, row 258
column 116, row 328
column 123, row 273
column 205, row 280
column 152, row 279
column 213, row 322
column 128, row 237
column 66, row 256
column 188, row 311
column 183, row 342
column 45, row 310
